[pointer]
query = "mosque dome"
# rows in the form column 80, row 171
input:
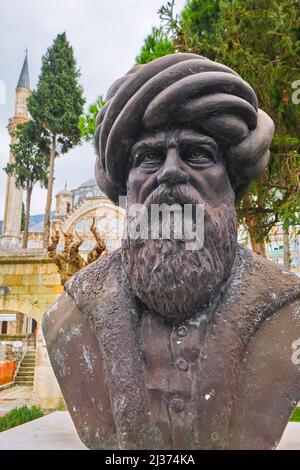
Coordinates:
column 88, row 183
column 87, row 189
column 64, row 192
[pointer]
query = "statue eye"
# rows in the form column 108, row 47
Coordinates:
column 199, row 157
column 149, row 157
column 149, row 160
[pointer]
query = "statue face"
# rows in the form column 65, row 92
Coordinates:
column 180, row 167
column 178, row 157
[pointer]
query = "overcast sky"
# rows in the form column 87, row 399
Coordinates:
column 106, row 36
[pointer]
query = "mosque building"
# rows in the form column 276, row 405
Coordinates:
column 74, row 212
column 74, row 209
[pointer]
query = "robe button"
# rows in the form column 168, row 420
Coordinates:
column 181, row 364
column 177, row 404
column 182, row 331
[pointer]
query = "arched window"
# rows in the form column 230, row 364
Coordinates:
column 116, row 224
column 79, row 225
column 103, row 224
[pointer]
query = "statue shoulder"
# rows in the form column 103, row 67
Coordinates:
column 274, row 351
column 264, row 270
column 96, row 280
column 80, row 291
column 264, row 306
column 269, row 380
column 96, row 272
column 262, row 286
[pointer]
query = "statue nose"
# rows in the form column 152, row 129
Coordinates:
column 171, row 173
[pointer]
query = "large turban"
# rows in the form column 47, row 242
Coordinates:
column 182, row 90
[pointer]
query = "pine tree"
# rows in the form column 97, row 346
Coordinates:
column 156, row 44
column 57, row 104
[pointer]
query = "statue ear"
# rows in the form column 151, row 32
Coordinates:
column 240, row 191
column 247, row 160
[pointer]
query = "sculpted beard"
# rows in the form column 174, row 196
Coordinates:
column 175, row 282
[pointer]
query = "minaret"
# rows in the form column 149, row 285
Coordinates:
column 11, row 233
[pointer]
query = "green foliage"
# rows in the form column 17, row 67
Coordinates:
column 19, row 416
column 31, row 152
column 57, row 103
column 296, row 416
column 200, row 16
column 157, row 44
column 261, row 41
column 87, row 122
column 169, row 19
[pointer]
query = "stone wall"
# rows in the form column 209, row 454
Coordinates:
column 30, row 284
column 33, row 282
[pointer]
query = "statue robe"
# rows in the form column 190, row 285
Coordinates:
column 133, row 381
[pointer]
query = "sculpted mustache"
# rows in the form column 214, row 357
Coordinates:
column 179, row 194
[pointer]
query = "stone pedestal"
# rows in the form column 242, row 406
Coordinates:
column 46, row 388
column 57, row 432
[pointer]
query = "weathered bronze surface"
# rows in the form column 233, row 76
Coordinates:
column 160, row 347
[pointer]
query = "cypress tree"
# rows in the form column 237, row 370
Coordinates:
column 57, row 104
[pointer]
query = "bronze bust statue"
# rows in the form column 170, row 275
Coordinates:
column 160, row 347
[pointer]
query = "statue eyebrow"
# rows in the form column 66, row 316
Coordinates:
column 150, row 142
column 198, row 140
column 160, row 144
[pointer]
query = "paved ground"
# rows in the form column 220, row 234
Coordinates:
column 56, row 432
column 14, row 397
column 291, row 438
